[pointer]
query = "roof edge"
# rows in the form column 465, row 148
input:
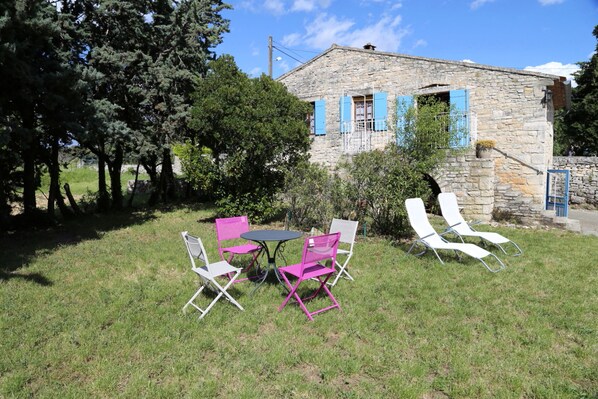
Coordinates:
column 412, row 57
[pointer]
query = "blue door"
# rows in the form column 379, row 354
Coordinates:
column 557, row 191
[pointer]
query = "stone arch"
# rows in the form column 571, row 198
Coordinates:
column 432, row 205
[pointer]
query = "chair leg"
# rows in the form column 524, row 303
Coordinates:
column 292, row 291
column 301, row 301
column 223, row 290
column 502, row 265
column 210, row 305
column 190, row 302
column 342, row 270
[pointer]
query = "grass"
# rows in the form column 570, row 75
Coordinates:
column 93, row 309
column 85, row 179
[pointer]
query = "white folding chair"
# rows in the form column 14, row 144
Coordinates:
column 449, row 208
column 348, row 230
column 430, row 239
column 208, row 273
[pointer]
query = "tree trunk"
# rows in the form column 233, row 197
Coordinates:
column 152, row 170
column 54, row 196
column 115, row 185
column 130, row 205
column 28, row 156
column 167, row 182
column 67, row 190
column 103, row 196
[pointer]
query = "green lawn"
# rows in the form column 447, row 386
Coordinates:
column 93, row 309
column 85, row 179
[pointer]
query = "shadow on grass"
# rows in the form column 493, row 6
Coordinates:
column 32, row 277
column 18, row 248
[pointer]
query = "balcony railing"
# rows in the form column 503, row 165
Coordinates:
column 360, row 137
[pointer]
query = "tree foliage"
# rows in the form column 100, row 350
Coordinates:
column 256, row 130
column 116, row 76
column 39, row 97
column 578, row 132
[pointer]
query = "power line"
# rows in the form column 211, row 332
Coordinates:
column 288, row 55
column 297, row 50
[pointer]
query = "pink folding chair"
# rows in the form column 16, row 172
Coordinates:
column 316, row 251
column 228, row 232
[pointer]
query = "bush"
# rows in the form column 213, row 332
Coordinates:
column 198, row 167
column 308, row 196
column 380, row 181
column 258, row 207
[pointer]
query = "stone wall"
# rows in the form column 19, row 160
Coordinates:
column 472, row 180
column 505, row 105
column 583, row 179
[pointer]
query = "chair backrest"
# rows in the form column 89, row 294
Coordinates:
column 416, row 212
column 195, row 250
column 318, row 249
column 347, row 228
column 450, row 208
column 231, row 228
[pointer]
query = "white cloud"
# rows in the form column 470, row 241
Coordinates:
column 274, row 6
column 478, row 3
column 291, row 40
column 469, row 61
column 397, row 5
column 255, row 72
column 310, row 5
column 550, row 2
column 556, row 68
column 283, row 66
column 420, row 43
column 325, row 30
column 255, row 50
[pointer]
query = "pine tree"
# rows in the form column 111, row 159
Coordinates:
column 36, row 100
column 581, row 122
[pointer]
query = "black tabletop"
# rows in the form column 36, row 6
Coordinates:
column 271, row 235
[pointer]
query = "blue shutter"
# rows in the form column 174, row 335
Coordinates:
column 403, row 105
column 459, row 102
column 380, row 111
column 345, row 114
column 320, row 118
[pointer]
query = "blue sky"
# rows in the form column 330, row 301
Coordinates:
column 544, row 35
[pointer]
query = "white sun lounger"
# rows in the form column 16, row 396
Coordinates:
column 457, row 225
column 430, row 239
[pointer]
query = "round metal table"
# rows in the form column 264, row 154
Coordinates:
column 265, row 237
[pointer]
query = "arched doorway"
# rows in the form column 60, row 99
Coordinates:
column 432, row 204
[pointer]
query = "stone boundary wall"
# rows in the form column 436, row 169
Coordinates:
column 583, row 180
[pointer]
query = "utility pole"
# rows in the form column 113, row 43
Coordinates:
column 270, row 56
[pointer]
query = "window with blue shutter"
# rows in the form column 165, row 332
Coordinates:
column 380, row 111
column 459, row 102
column 345, row 114
column 320, row 118
column 403, row 105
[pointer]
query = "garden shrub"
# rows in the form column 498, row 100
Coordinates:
column 380, row 181
column 308, row 196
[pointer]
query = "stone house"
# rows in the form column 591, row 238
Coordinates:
column 358, row 96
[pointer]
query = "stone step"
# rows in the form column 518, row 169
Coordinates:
column 550, row 219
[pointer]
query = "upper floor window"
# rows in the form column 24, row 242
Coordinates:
column 364, row 112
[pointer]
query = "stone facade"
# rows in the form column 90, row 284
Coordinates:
column 472, row 180
column 583, row 179
column 505, row 105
